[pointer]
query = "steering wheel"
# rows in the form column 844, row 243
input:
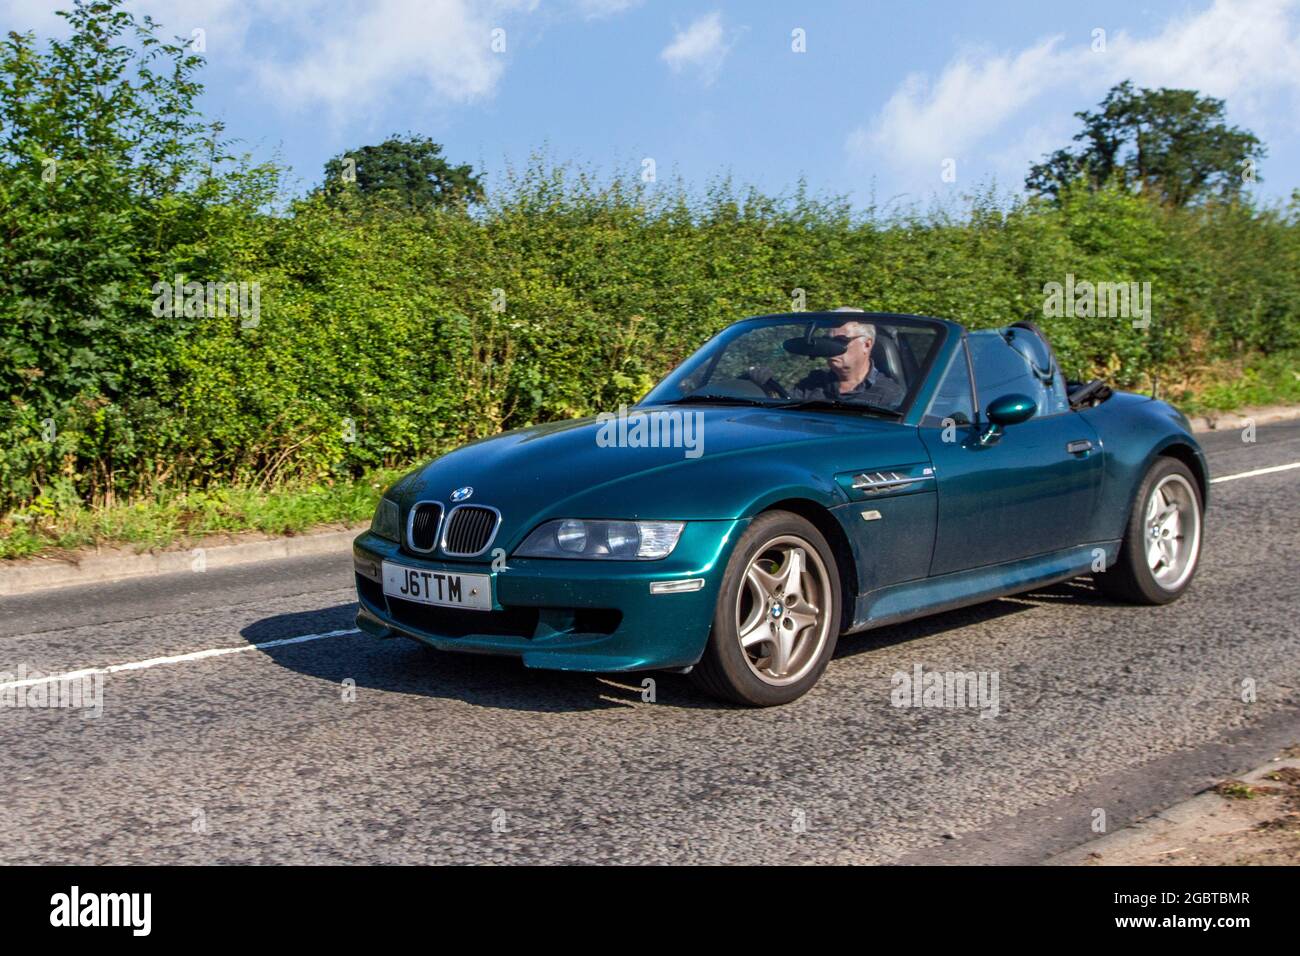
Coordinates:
column 771, row 387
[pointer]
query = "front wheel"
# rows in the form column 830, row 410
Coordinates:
column 777, row 617
column 1162, row 542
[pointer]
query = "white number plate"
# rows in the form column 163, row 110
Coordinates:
column 444, row 588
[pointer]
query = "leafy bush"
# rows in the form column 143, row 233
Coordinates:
column 388, row 333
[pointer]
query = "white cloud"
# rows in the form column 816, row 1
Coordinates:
column 342, row 55
column 357, row 52
column 1236, row 48
column 224, row 22
column 1245, row 51
column 701, row 47
column 925, row 123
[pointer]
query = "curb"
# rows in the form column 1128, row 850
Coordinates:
column 1154, row 831
column 40, row 574
column 1230, row 421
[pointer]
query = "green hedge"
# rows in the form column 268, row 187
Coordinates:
column 387, row 336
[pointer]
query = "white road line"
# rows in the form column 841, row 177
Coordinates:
column 1257, row 471
column 223, row 651
column 177, row 659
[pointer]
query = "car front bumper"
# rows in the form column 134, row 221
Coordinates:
column 557, row 614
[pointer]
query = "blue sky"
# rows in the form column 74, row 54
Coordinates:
column 884, row 94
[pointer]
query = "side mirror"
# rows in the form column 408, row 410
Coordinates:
column 1007, row 410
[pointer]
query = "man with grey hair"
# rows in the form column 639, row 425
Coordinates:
column 850, row 376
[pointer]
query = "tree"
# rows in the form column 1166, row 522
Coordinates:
column 1174, row 145
column 408, row 170
column 109, row 181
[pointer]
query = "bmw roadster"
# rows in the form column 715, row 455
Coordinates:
column 798, row 478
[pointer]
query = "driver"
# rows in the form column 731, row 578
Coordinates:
column 849, row 376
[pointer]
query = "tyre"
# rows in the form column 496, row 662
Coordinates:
column 777, row 617
column 1162, row 541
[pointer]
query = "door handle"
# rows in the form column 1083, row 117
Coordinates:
column 1079, row 446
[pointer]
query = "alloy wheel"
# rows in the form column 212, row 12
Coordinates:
column 1172, row 524
column 781, row 610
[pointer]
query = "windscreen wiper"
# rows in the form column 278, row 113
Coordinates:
column 831, row 404
column 706, row 399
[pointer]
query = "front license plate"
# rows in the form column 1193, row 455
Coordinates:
column 444, row 588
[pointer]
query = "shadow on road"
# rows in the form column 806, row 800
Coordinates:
column 873, row 640
column 1077, row 591
column 404, row 666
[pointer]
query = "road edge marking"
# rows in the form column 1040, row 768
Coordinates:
column 174, row 659
column 1274, row 469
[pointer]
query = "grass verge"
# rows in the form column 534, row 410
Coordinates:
column 176, row 517
column 1228, row 385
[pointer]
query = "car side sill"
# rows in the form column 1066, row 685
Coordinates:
column 911, row 599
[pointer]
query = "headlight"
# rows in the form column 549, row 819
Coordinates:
column 613, row 540
column 387, row 522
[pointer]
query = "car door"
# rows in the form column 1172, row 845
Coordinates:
column 1030, row 490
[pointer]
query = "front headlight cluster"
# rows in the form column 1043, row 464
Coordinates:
column 612, row 540
column 387, row 522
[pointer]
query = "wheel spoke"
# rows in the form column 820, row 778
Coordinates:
column 792, row 575
column 803, row 607
column 756, row 633
column 764, row 582
column 757, row 617
column 782, row 645
column 802, row 619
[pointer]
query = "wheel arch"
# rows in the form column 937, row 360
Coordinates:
column 1131, row 577
column 1185, row 453
column 1179, row 451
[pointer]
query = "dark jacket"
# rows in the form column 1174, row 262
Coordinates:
column 876, row 389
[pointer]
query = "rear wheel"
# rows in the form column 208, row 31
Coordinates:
column 777, row 617
column 1162, row 543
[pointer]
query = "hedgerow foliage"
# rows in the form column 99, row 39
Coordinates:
column 387, row 335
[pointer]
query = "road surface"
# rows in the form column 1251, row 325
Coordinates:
column 342, row 748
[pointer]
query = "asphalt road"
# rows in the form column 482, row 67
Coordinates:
column 268, row 755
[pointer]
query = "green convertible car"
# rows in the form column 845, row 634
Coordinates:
column 797, row 478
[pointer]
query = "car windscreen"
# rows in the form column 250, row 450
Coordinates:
column 863, row 361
